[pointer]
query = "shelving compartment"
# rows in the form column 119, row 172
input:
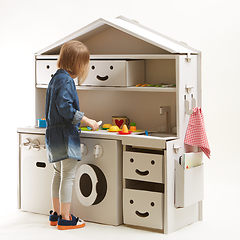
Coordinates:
column 161, row 71
column 188, row 185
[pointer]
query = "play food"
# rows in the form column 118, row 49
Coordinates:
column 86, row 129
column 124, row 129
column 114, row 129
column 106, row 126
column 133, row 127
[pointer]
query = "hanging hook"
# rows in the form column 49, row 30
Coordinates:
column 187, row 110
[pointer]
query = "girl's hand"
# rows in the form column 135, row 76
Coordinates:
column 93, row 124
column 90, row 122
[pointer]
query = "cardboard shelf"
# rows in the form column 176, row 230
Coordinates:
column 129, row 89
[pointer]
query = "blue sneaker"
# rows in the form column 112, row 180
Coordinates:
column 73, row 223
column 53, row 218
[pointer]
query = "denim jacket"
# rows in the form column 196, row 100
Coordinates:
column 62, row 137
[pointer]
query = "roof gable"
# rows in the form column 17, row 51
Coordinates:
column 120, row 36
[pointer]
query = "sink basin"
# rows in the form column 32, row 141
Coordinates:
column 158, row 134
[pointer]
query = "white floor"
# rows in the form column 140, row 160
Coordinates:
column 221, row 219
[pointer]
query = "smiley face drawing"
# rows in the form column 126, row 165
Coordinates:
column 105, row 73
column 143, row 208
column 102, row 78
column 145, row 167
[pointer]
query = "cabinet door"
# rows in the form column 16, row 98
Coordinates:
column 36, row 174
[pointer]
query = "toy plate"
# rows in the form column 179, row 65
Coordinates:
column 122, row 133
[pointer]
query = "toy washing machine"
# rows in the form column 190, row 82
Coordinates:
column 97, row 190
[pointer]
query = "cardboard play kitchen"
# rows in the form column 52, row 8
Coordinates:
column 134, row 179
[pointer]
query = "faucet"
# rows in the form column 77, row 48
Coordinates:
column 167, row 110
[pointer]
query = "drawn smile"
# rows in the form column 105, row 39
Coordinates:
column 142, row 173
column 143, row 215
column 102, row 78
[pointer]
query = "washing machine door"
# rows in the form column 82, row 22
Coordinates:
column 90, row 185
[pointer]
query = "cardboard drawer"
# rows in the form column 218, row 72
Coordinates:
column 188, row 185
column 143, row 208
column 45, row 69
column 143, row 166
column 115, row 73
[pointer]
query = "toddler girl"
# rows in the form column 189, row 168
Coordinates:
column 62, row 137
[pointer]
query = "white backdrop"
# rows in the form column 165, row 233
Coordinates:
column 211, row 26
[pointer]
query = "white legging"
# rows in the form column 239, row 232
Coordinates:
column 63, row 177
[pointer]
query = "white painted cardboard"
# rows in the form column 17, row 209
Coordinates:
column 109, row 209
column 35, row 176
column 45, row 69
column 143, row 208
column 143, row 166
column 193, row 159
column 105, row 38
column 115, row 73
column 188, row 185
column 126, row 26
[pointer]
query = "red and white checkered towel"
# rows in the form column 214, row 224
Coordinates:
column 196, row 134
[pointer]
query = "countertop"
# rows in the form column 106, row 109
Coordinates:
column 132, row 139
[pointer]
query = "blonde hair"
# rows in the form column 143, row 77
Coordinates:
column 74, row 58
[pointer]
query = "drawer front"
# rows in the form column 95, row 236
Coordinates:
column 143, row 166
column 115, row 73
column 106, row 73
column 45, row 69
column 143, row 208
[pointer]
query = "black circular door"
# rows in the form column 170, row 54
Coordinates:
column 90, row 185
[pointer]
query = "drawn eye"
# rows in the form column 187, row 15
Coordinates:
column 93, row 67
column 152, row 162
column 152, row 204
column 111, row 67
column 131, row 201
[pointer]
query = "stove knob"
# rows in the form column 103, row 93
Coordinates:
column 97, row 151
column 84, row 149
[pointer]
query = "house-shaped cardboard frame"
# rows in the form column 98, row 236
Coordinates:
column 121, row 36
column 166, row 60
